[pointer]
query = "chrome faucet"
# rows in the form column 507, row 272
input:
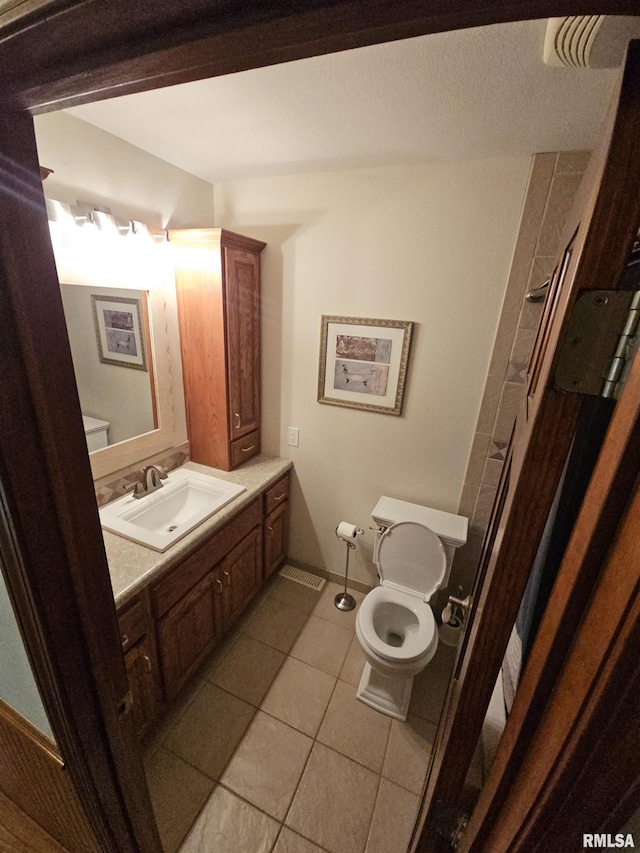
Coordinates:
column 152, row 477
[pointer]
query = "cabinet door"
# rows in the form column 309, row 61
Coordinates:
column 188, row 631
column 276, row 526
column 242, row 287
column 241, row 574
column 143, row 683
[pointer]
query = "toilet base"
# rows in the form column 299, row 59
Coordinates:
column 388, row 694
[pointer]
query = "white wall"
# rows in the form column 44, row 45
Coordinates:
column 431, row 244
column 93, row 166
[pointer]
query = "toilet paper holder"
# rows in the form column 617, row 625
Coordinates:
column 343, row 600
column 451, row 614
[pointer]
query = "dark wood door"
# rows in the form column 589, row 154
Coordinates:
column 242, row 293
column 276, row 525
column 596, row 244
column 51, row 546
column 241, row 574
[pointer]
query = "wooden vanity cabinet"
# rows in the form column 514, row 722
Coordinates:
column 276, row 525
column 141, row 663
column 218, row 295
column 197, row 601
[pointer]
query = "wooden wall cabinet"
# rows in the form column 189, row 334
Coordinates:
column 218, row 293
column 276, row 525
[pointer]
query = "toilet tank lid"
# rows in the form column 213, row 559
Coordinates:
column 93, row 424
column 449, row 527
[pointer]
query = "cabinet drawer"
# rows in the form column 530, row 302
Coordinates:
column 133, row 624
column 186, row 575
column 275, row 495
column 244, row 448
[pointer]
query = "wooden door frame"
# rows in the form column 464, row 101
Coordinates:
column 52, row 549
column 604, row 213
column 50, row 58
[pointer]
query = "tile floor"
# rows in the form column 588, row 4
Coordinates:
column 268, row 748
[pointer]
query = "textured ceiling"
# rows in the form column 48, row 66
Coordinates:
column 462, row 95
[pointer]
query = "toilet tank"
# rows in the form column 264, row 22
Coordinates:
column 95, row 432
column 452, row 529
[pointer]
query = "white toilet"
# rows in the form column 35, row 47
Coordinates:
column 395, row 624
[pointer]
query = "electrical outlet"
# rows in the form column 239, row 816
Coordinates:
column 293, row 439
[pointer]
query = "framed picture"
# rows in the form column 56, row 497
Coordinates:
column 120, row 331
column 363, row 363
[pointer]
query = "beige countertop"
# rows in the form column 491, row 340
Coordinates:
column 133, row 566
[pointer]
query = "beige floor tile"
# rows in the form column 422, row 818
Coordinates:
column 268, row 764
column 334, row 802
column 210, row 729
column 299, row 696
column 326, row 609
column 408, row 752
column 229, row 825
column 393, row 819
column 430, row 686
column 295, row 594
column 355, row 729
column 354, row 662
column 248, row 669
column 322, row 644
column 157, row 735
column 291, row 842
column 178, row 792
column 277, row 624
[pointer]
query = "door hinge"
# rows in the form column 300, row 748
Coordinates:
column 451, row 824
column 596, row 346
column 125, row 705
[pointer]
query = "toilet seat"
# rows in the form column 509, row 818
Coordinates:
column 417, row 645
column 409, row 556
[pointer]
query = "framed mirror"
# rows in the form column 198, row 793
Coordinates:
column 118, row 295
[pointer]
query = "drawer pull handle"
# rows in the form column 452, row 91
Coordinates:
column 238, row 421
column 279, row 497
column 218, row 586
column 228, row 577
column 270, row 529
column 247, row 449
column 125, row 639
column 147, row 662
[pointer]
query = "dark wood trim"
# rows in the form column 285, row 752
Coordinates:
column 34, row 779
column 52, row 58
column 584, row 767
column 20, row 834
column 54, row 561
column 607, row 212
column 613, row 482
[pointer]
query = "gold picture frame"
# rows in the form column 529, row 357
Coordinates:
column 120, row 331
column 363, row 363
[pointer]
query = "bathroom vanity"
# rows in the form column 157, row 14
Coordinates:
column 174, row 607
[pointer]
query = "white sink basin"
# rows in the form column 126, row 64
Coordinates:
column 158, row 520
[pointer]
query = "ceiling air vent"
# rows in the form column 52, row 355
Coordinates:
column 589, row 41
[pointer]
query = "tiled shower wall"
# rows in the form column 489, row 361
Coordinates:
column 553, row 183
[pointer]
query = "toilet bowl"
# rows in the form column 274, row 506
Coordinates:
column 395, row 624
